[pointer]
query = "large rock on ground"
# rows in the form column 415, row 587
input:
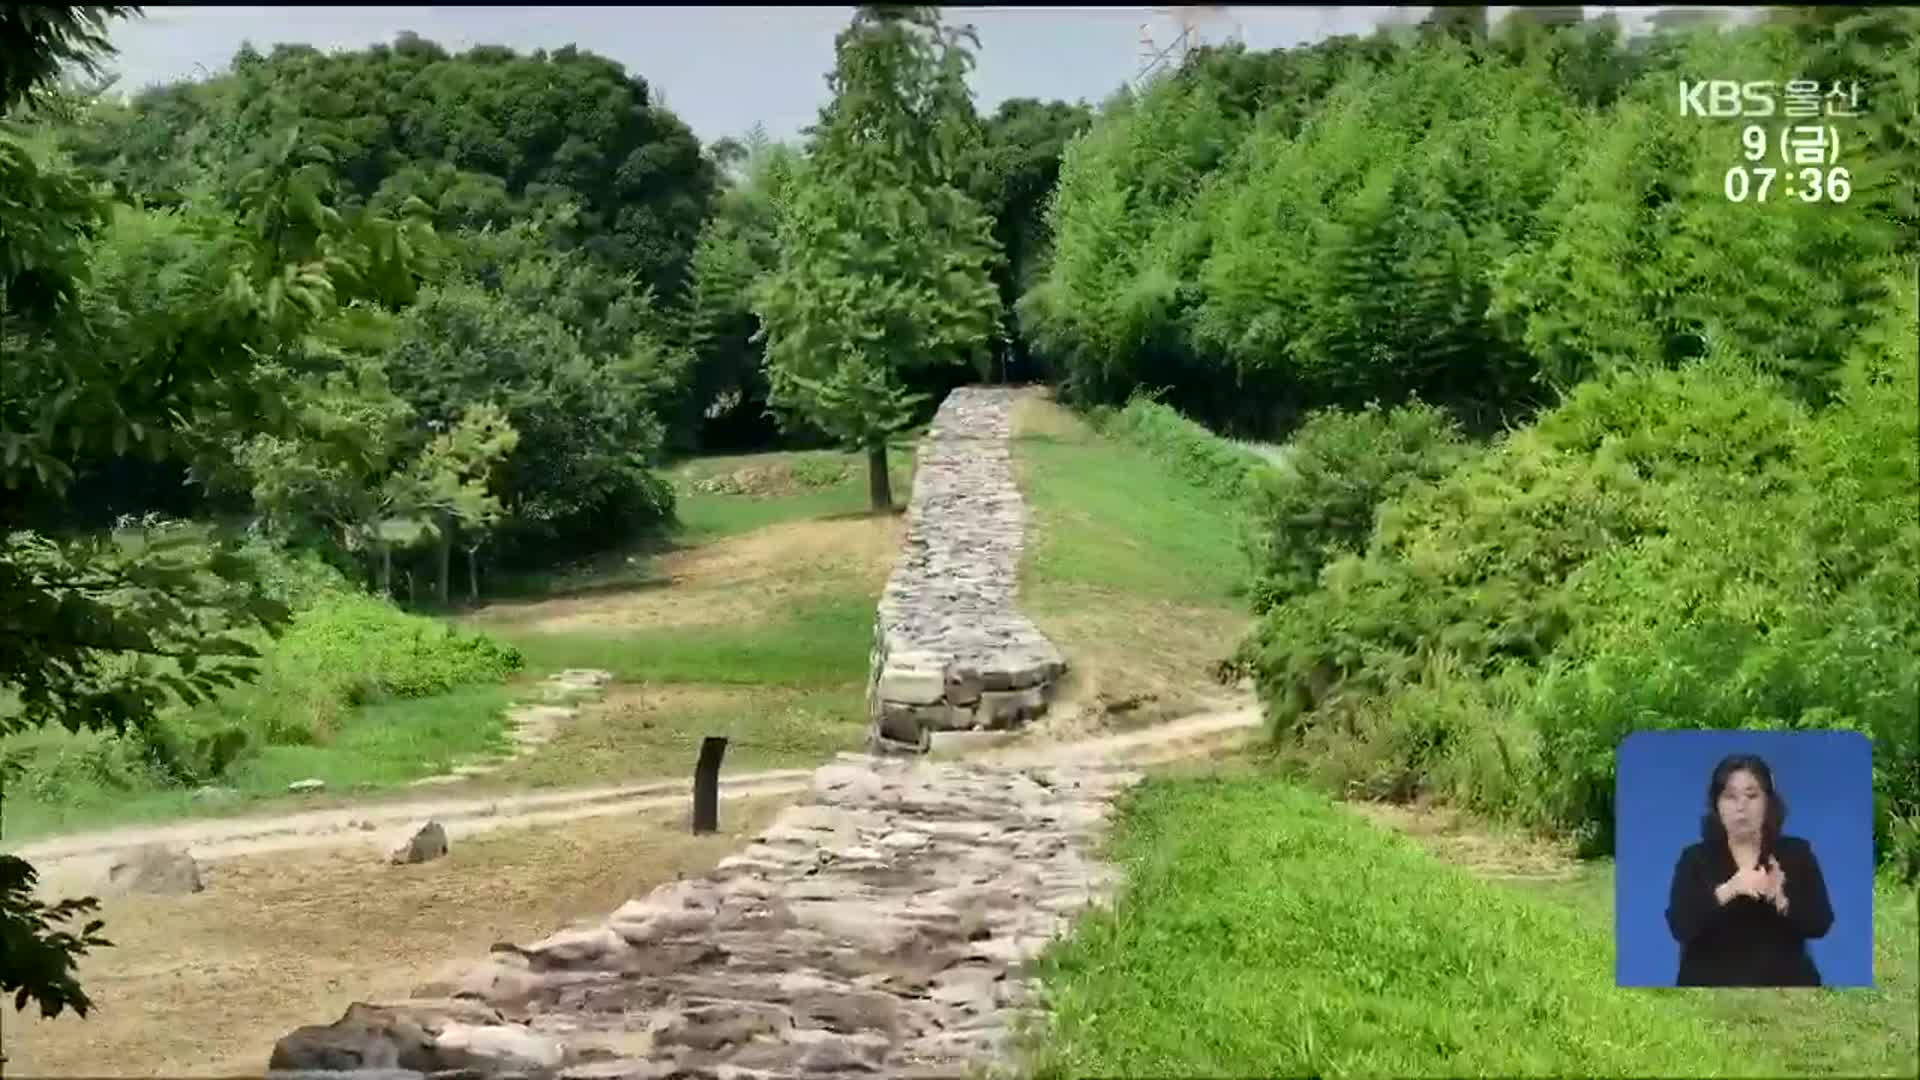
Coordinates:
column 424, row 842
column 154, row 868
column 422, row 1036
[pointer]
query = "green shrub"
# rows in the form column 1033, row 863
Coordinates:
column 1341, row 467
column 1196, row 455
column 52, row 769
column 342, row 649
column 1473, row 566
column 1781, row 596
column 361, row 649
column 819, row 472
column 1689, row 548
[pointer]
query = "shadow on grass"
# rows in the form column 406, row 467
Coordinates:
column 896, row 510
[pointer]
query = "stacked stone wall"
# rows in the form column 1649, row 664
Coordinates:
column 951, row 649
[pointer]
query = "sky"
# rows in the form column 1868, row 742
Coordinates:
column 722, row 69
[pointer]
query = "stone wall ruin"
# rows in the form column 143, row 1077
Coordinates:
column 951, row 649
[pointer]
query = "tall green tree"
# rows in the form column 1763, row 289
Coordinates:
column 588, row 434
column 724, row 400
column 96, row 633
column 482, row 136
column 885, row 263
column 1013, row 177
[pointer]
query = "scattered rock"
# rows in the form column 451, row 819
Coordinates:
column 154, row 868
column 365, row 1038
column 405, row 1036
column 533, row 724
column 422, row 842
column 497, row 1048
column 304, row 786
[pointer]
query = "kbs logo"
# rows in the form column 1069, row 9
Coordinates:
column 1724, row 97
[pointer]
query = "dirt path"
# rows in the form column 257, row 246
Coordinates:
column 79, row 860
column 201, row 985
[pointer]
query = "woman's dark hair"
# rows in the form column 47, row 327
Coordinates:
column 1776, row 815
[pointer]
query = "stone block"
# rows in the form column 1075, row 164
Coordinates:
column 963, row 686
column 419, row 844
column 916, row 685
column 944, row 717
column 900, row 723
column 1002, row 707
column 497, row 1048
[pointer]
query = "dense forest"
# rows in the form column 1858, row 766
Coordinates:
column 1580, row 444
column 526, row 233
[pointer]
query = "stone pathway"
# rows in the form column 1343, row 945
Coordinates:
column 532, row 724
column 951, row 650
column 877, row 929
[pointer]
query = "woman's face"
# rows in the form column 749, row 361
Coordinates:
column 1743, row 805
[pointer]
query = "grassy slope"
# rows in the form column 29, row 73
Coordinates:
column 377, row 746
column 1132, row 571
column 779, row 663
column 794, row 676
column 709, row 517
column 1263, row 931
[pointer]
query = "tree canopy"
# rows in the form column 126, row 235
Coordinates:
column 484, row 137
column 884, row 261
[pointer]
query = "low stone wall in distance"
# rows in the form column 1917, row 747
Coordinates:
column 951, row 649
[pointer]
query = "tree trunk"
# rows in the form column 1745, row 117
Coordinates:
column 473, row 574
column 443, row 560
column 386, row 571
column 879, row 485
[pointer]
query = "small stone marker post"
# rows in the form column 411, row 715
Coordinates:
column 706, row 785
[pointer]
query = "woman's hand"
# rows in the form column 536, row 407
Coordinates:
column 1775, row 889
column 1749, row 882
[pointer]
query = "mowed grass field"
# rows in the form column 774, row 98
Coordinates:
column 1134, row 572
column 752, row 620
column 1266, row 930
column 755, row 624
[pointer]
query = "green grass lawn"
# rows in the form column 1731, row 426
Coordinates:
column 1111, row 517
column 789, row 486
column 1134, row 571
column 656, row 730
column 1264, row 931
column 787, row 691
column 90, row 783
column 821, row 642
column 809, row 484
column 1851, row 1032
column 785, row 681
column 793, row 678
